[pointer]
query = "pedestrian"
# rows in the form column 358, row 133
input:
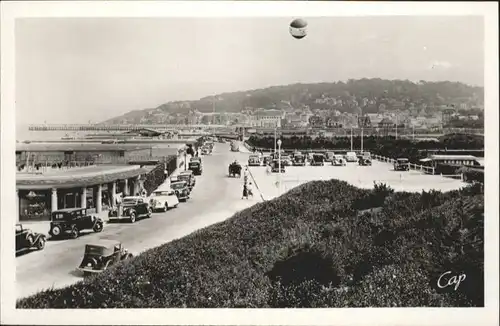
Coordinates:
column 245, row 191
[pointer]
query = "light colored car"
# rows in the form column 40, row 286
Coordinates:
column 338, row 160
column 163, row 199
column 254, row 160
column 351, row 157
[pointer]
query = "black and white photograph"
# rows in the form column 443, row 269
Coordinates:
column 252, row 155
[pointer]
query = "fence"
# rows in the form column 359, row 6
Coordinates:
column 413, row 166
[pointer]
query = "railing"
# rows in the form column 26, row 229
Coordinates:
column 418, row 167
column 49, row 165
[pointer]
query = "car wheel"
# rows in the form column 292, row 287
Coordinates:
column 132, row 217
column 98, row 227
column 74, row 233
column 56, row 231
column 150, row 212
column 41, row 244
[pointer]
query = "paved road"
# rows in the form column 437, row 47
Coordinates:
column 214, row 199
column 359, row 176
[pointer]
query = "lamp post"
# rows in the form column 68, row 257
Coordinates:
column 275, row 141
column 279, row 164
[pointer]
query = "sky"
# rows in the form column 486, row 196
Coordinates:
column 76, row 70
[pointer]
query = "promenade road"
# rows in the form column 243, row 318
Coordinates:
column 359, row 176
column 214, row 199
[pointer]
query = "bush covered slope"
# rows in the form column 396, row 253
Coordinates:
column 322, row 244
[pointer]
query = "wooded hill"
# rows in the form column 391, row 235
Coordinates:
column 298, row 95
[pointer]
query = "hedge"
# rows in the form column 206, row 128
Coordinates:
column 383, row 146
column 322, row 244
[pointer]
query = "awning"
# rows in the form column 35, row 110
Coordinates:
column 426, row 160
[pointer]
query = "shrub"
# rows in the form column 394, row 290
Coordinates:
column 315, row 246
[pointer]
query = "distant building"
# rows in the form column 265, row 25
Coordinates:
column 267, row 118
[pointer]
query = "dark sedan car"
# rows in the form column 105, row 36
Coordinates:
column 102, row 254
column 28, row 240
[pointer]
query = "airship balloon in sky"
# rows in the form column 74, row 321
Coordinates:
column 298, row 28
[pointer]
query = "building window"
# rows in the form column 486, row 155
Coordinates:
column 122, row 153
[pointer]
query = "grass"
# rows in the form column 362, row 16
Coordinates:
column 322, row 244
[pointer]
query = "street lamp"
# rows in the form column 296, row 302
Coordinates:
column 279, row 164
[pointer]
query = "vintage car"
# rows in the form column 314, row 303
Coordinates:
column 275, row 167
column 299, row 160
column 365, row 161
column 402, row 164
column 318, row 160
column 339, row 160
column 329, row 156
column 196, row 167
column 287, row 160
column 235, row 169
column 27, row 239
column 267, row 159
column 71, row 221
column 351, row 157
column 206, row 150
column 181, row 189
column 163, row 199
column 100, row 255
column 134, row 207
column 188, row 177
column 254, row 160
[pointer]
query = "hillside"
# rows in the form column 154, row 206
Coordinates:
column 297, row 95
column 318, row 245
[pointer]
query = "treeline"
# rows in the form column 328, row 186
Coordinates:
column 383, row 146
column 322, row 244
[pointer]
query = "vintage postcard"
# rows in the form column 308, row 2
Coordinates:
column 175, row 158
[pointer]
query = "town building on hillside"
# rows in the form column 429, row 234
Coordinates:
column 375, row 118
column 267, row 118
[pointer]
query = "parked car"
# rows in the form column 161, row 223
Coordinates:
column 196, row 167
column 102, row 254
column 27, row 239
column 188, row 177
column 254, row 160
column 287, row 160
column 299, row 160
column 329, row 156
column 71, row 221
column 163, row 199
column 181, row 190
column 205, row 150
column 339, row 160
column 364, row 161
column 318, row 160
column 402, row 164
column 267, row 159
column 351, row 157
column 134, row 207
column 275, row 167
